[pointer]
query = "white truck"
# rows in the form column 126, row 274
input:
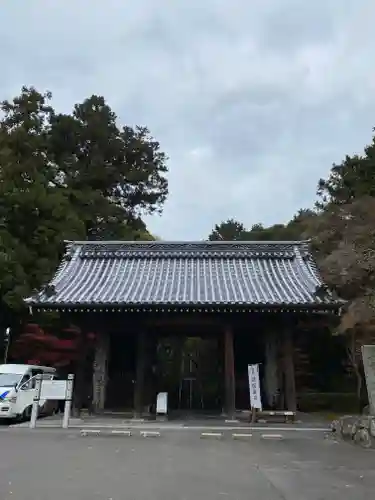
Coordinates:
column 17, row 390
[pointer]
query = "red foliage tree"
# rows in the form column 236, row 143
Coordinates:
column 36, row 346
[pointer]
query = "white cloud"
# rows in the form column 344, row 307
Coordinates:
column 252, row 101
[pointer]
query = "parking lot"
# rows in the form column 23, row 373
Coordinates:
column 181, row 465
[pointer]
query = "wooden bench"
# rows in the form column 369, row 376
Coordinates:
column 288, row 417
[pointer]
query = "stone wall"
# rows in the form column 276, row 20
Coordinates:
column 358, row 429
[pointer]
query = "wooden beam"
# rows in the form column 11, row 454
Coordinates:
column 229, row 373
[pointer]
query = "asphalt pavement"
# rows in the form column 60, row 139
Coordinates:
column 182, row 465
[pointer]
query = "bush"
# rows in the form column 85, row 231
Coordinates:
column 328, row 401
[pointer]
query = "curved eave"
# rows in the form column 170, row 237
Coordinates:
column 189, row 308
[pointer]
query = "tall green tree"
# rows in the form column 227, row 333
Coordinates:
column 229, row 230
column 35, row 216
column 114, row 175
column 296, row 229
column 68, row 177
column 343, row 236
column 350, row 180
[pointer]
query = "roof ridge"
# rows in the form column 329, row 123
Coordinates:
column 186, row 242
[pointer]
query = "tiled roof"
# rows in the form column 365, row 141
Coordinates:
column 183, row 274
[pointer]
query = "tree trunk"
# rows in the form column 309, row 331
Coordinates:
column 355, row 361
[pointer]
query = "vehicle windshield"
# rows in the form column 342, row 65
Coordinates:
column 9, row 379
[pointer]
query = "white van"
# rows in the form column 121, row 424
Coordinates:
column 17, row 389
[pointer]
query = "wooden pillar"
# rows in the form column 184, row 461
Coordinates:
column 99, row 380
column 289, row 375
column 140, row 374
column 271, row 378
column 229, row 374
column 149, row 399
column 80, row 385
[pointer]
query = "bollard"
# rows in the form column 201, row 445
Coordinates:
column 68, row 401
column 35, row 408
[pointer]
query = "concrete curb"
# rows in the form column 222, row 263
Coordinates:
column 178, row 427
column 208, row 434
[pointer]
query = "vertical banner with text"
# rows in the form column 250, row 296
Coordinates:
column 254, row 387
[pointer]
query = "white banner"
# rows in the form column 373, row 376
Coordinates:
column 162, row 403
column 254, row 387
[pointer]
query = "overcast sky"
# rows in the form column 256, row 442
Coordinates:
column 252, row 100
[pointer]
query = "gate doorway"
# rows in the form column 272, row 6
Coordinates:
column 121, row 372
column 190, row 370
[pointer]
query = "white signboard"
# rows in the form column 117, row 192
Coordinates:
column 53, row 389
column 254, row 387
column 162, row 403
column 368, row 356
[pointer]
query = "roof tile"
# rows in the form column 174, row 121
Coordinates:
column 203, row 273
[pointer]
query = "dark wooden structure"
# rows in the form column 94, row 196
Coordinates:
column 228, row 291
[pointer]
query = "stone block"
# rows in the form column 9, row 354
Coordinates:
column 372, row 427
column 359, row 429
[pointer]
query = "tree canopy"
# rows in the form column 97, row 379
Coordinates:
column 234, row 230
column 68, row 176
column 227, row 231
column 341, row 228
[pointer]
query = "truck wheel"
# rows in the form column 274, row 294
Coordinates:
column 26, row 415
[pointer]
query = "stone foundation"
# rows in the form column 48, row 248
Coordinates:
column 359, row 429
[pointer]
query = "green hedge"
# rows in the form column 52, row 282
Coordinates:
column 328, row 401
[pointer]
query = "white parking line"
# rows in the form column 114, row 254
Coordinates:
column 241, row 436
column 272, row 436
column 92, row 432
column 150, row 434
column 121, row 433
column 216, row 435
